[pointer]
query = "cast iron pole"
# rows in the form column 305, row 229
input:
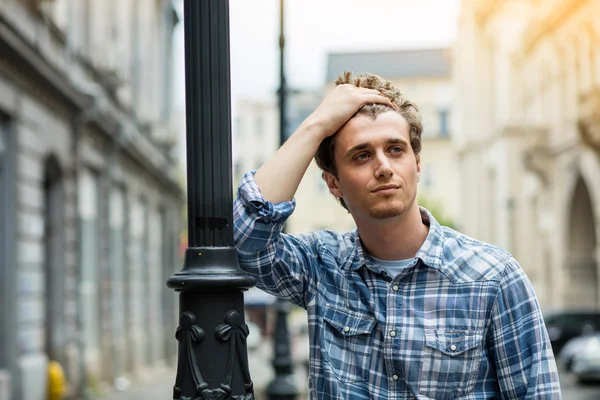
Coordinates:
column 282, row 83
column 282, row 387
column 212, row 358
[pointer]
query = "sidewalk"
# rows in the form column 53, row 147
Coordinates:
column 159, row 386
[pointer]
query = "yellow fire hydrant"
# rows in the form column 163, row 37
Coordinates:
column 57, row 383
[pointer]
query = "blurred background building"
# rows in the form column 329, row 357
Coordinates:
column 528, row 74
column 90, row 200
column 90, row 194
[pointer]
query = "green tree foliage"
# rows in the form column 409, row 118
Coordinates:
column 436, row 209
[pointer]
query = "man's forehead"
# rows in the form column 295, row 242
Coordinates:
column 389, row 126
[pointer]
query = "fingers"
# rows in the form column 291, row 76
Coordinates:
column 375, row 96
column 365, row 95
column 379, row 99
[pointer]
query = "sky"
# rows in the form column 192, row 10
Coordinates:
column 312, row 29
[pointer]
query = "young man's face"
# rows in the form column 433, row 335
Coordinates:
column 377, row 168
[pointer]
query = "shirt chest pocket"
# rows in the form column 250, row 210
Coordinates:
column 451, row 360
column 347, row 340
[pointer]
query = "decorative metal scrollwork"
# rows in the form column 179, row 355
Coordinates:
column 187, row 334
column 234, row 331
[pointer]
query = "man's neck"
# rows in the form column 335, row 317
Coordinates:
column 398, row 238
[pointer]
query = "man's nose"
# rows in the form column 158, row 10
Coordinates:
column 384, row 168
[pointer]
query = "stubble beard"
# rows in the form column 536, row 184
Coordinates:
column 390, row 211
column 392, row 208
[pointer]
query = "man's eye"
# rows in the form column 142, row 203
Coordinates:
column 397, row 149
column 362, row 156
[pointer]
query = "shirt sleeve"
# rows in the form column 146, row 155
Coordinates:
column 523, row 356
column 282, row 264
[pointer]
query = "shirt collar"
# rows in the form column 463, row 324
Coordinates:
column 430, row 252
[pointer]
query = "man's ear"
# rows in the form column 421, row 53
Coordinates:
column 418, row 157
column 332, row 184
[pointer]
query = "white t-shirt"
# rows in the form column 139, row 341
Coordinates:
column 393, row 267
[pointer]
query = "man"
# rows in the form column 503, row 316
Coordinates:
column 402, row 307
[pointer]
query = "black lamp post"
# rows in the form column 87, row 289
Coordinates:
column 282, row 387
column 212, row 358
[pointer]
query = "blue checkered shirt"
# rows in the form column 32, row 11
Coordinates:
column 461, row 323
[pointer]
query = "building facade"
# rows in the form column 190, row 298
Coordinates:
column 90, row 204
column 425, row 77
column 528, row 138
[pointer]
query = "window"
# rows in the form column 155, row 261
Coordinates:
column 136, row 275
column 154, row 282
column 6, row 307
column 53, row 258
column 146, row 273
column 88, row 215
column 444, row 131
column 118, row 276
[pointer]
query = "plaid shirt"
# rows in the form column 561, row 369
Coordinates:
column 463, row 322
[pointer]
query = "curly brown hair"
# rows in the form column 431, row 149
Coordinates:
column 408, row 110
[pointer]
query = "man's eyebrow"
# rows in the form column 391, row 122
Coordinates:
column 356, row 148
column 366, row 145
column 396, row 141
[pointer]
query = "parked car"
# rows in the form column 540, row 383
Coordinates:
column 574, row 347
column 565, row 325
column 585, row 363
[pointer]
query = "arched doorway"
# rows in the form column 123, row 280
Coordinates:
column 581, row 267
column 54, row 263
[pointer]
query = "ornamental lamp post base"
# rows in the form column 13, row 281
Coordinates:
column 213, row 359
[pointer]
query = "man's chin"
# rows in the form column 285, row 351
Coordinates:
column 387, row 213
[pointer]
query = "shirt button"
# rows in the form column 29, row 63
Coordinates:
column 346, row 329
column 395, row 377
column 453, row 347
column 392, row 333
column 395, row 288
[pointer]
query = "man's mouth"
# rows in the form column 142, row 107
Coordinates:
column 385, row 189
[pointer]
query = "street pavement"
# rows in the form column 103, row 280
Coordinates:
column 159, row 386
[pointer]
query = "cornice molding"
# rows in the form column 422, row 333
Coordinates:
column 483, row 9
column 15, row 48
column 547, row 23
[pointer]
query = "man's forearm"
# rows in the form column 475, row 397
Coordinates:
column 279, row 177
